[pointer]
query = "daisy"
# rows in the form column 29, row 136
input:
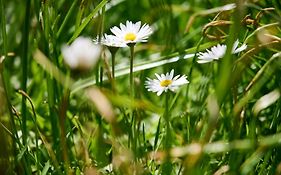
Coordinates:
column 132, row 33
column 165, row 83
column 218, row 52
column 110, row 41
column 81, row 54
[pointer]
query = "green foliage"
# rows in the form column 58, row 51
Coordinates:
column 54, row 120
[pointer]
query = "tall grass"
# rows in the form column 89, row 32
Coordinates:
column 54, row 120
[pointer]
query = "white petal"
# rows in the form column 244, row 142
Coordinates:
column 160, row 92
column 215, row 53
column 240, row 49
column 159, row 77
column 136, row 27
column 182, row 80
column 116, row 31
column 176, row 77
column 112, row 41
column 123, row 27
column 170, row 77
column 204, row 61
column 173, row 88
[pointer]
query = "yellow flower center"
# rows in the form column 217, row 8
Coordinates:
column 130, row 37
column 165, row 83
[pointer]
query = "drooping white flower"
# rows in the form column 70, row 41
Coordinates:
column 215, row 53
column 236, row 49
column 110, row 41
column 163, row 83
column 81, row 54
column 218, row 52
column 132, row 33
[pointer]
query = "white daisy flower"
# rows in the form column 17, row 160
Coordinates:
column 218, row 52
column 132, row 33
column 110, row 41
column 81, row 54
column 165, row 83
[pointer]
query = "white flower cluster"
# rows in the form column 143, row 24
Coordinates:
column 83, row 53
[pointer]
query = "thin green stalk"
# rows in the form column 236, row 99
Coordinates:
column 97, row 73
column 79, row 15
column 131, row 133
column 109, row 75
column 51, row 83
column 113, row 51
column 35, row 123
column 24, row 60
column 134, row 133
column 62, row 115
column 187, row 129
column 167, row 165
column 113, row 54
column 3, row 77
column 223, row 85
column 132, row 48
column 6, row 149
column 133, row 123
column 3, row 29
column 101, row 28
column 192, row 65
column 166, row 118
column 101, row 75
column 190, row 82
column 157, row 134
column 86, row 20
column 102, row 22
column 67, row 17
column 24, row 63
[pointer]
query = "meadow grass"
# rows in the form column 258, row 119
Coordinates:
column 224, row 118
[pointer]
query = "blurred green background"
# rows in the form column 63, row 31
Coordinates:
column 226, row 120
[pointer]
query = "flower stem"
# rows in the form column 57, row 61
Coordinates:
column 132, row 47
column 133, row 133
column 166, row 118
column 111, row 74
column 113, row 53
column 167, row 165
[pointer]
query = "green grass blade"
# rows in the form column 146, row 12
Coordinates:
column 87, row 20
column 66, row 19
